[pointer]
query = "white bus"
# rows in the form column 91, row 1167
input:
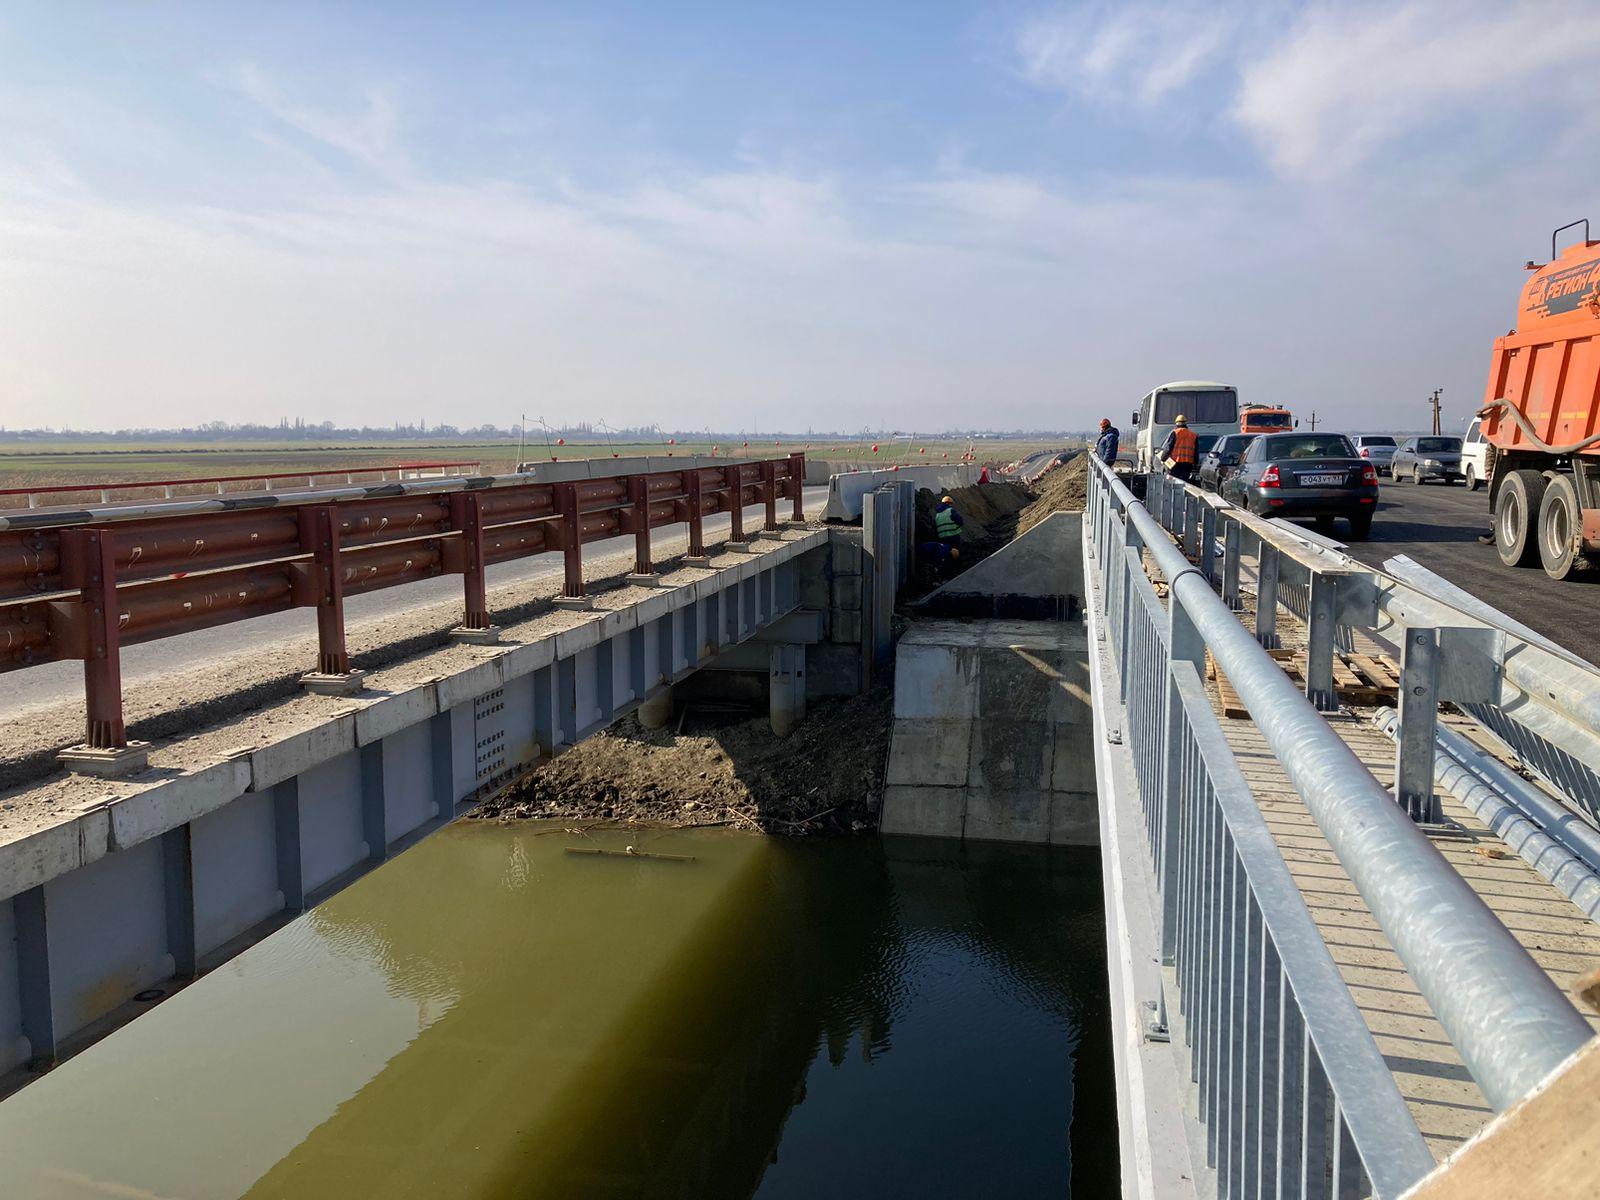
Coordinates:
column 1212, row 409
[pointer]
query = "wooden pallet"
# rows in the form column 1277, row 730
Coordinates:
column 1232, row 706
column 1375, row 679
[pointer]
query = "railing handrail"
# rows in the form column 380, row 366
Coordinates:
column 1505, row 1016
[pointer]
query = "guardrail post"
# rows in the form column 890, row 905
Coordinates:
column 1208, row 541
column 769, row 494
column 572, row 593
column 1230, row 563
column 1192, row 504
column 1266, row 594
column 466, row 515
column 797, row 485
column 1322, row 603
column 697, row 541
column 319, row 536
column 1419, row 714
column 644, row 569
column 735, row 491
column 90, row 565
column 1184, row 644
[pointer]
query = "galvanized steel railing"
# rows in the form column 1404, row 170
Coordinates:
column 1292, row 1089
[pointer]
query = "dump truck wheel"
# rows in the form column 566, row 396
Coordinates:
column 1559, row 522
column 1516, row 517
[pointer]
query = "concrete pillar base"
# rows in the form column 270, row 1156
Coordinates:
column 475, row 637
column 786, row 702
column 319, row 684
column 733, row 547
column 576, row 603
column 696, row 560
column 655, row 712
column 103, row 763
column 650, row 579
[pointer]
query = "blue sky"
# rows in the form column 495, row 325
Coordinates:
column 925, row 215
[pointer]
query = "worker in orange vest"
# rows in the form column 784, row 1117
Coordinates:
column 1181, row 450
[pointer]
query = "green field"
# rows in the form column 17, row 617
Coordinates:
column 44, row 464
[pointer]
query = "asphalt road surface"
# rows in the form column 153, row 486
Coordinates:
column 53, row 683
column 1438, row 525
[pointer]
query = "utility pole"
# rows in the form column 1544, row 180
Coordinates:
column 1434, row 400
column 522, row 425
column 1313, row 420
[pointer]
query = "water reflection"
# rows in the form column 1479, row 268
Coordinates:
column 488, row 1016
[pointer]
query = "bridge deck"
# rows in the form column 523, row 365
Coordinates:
column 1447, row 1105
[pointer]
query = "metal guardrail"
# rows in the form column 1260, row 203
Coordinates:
column 79, row 585
column 1306, row 1100
column 415, row 470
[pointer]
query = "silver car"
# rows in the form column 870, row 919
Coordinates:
column 1420, row 459
column 1377, row 448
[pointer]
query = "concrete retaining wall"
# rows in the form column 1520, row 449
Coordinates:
column 845, row 492
column 991, row 734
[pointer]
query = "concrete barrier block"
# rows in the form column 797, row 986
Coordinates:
column 1021, row 815
column 845, row 627
column 398, row 711
column 1011, row 754
column 471, row 683
column 931, row 752
column 30, row 861
column 177, row 802
column 923, row 811
column 271, row 765
column 1074, row 819
column 847, row 592
column 527, row 658
column 846, row 555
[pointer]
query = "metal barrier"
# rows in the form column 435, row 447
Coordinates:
column 81, row 585
column 416, row 470
column 1301, row 1097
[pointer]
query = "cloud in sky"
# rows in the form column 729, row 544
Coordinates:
column 1325, row 204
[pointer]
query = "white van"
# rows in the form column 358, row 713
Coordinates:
column 1475, row 455
column 1212, row 410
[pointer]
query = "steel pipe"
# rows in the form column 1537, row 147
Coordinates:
column 1506, row 1017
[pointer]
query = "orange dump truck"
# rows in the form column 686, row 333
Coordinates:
column 1541, row 416
column 1265, row 418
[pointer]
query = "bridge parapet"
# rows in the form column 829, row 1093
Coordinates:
column 1292, row 1088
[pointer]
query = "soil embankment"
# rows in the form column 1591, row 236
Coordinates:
column 826, row 777
column 1061, row 489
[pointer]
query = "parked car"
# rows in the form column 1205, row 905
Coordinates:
column 1318, row 475
column 1475, row 455
column 1222, row 458
column 1420, row 459
column 1376, row 448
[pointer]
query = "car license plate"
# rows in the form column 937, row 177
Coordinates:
column 1322, row 480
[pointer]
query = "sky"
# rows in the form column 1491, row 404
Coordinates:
column 749, row 216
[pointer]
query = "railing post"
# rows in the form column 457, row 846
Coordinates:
column 466, row 516
column 319, row 536
column 769, row 494
column 1208, row 541
column 735, row 492
column 797, row 485
column 1230, row 563
column 572, row 593
column 696, row 500
column 644, row 570
column 1184, row 644
column 1266, row 594
column 1322, row 602
column 88, row 562
column 1419, row 714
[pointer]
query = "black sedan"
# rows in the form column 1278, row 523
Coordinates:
column 1316, row 475
column 1222, row 458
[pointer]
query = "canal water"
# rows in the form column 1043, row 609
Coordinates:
column 493, row 1015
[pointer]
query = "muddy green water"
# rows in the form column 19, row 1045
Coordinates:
column 489, row 1016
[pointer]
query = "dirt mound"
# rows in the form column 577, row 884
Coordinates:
column 826, row 777
column 1062, row 489
column 989, row 512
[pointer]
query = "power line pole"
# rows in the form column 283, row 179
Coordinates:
column 1313, row 420
column 1434, row 400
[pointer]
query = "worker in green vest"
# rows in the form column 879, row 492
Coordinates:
column 947, row 522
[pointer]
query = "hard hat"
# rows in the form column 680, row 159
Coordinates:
column 947, row 500
column 1182, row 420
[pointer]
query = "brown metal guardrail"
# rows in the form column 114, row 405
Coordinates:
column 80, row 585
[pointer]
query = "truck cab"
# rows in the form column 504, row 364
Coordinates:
column 1265, row 418
column 1212, row 410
